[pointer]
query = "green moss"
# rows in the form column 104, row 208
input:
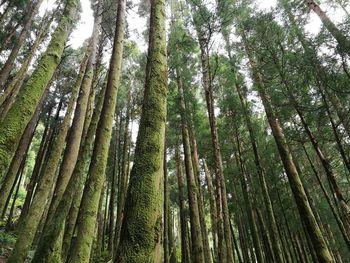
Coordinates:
column 80, row 251
column 13, row 125
column 142, row 224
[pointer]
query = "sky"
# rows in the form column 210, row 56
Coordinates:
column 84, row 28
column 136, row 24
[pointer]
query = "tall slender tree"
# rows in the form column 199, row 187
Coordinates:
column 13, row 125
column 142, row 224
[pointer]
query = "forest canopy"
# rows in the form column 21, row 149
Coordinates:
column 193, row 131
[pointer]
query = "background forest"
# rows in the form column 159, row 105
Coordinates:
column 226, row 140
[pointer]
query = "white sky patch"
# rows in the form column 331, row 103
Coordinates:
column 85, row 26
column 138, row 24
column 266, row 4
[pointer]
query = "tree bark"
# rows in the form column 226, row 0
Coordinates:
column 343, row 41
column 192, row 185
column 75, row 134
column 20, row 154
column 142, row 224
column 6, row 69
column 81, row 249
column 303, row 204
column 29, row 226
column 13, row 125
column 185, row 253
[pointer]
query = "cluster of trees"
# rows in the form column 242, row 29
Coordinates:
column 242, row 123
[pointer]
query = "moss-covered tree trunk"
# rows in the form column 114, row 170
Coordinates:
column 185, row 253
column 305, row 211
column 83, row 162
column 20, row 154
column 213, row 209
column 76, row 132
column 6, row 69
column 248, row 203
column 30, row 223
column 141, row 232
column 55, row 226
column 81, row 249
column 114, row 154
column 13, row 125
column 124, row 174
column 12, row 90
column 343, row 41
column 40, row 159
column 192, row 186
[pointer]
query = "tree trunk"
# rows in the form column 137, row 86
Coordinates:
column 343, row 41
column 276, row 242
column 303, row 205
column 29, row 226
column 39, row 161
column 335, row 213
column 319, row 71
column 250, row 213
column 185, row 253
column 13, row 125
column 74, row 190
column 213, row 209
column 6, row 69
column 11, row 92
column 75, row 134
column 124, row 174
column 166, row 210
column 142, row 224
column 192, row 185
column 20, row 154
column 81, row 249
column 10, row 217
column 224, row 236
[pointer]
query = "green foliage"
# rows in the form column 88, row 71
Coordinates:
column 7, row 239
